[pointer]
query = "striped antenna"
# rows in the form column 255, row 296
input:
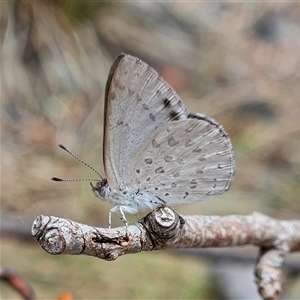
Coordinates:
column 79, row 159
column 66, row 180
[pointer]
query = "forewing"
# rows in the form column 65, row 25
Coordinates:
column 184, row 161
column 137, row 102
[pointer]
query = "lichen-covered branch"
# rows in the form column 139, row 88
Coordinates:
column 165, row 229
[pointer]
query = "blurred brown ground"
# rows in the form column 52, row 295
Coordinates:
column 237, row 62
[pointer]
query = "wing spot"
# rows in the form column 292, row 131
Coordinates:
column 119, row 123
column 152, row 117
column 138, row 171
column 145, row 106
column 167, row 194
column 174, row 115
column 155, row 144
column 188, row 143
column 168, row 158
column 173, row 185
column 148, row 179
column 197, row 150
column 185, row 195
column 172, row 142
column 156, row 188
column 176, row 174
column 167, row 102
column 148, row 161
column 199, row 171
column 193, row 184
column 180, row 161
column 160, row 170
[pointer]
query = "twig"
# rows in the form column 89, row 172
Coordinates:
column 16, row 282
column 165, row 229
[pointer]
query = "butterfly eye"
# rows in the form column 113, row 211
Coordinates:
column 100, row 188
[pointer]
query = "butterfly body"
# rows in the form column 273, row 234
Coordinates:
column 125, row 201
column 129, row 202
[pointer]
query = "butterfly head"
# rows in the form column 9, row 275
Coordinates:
column 101, row 188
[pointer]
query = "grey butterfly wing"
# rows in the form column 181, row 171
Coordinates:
column 137, row 102
column 184, row 161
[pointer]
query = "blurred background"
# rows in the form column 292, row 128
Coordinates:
column 236, row 62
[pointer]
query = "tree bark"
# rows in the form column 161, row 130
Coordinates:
column 165, row 229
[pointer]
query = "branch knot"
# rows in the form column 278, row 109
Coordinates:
column 163, row 226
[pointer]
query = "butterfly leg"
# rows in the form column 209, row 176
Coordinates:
column 122, row 216
column 109, row 219
column 137, row 217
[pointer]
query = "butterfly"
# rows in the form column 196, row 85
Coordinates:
column 155, row 152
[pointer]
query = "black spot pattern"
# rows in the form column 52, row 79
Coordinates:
column 193, row 184
column 185, row 195
column 167, row 103
column 174, row 115
column 160, row 170
column 148, row 161
column 168, row 158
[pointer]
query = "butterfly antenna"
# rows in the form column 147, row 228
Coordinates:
column 83, row 162
column 68, row 180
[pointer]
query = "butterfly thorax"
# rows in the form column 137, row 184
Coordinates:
column 131, row 202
